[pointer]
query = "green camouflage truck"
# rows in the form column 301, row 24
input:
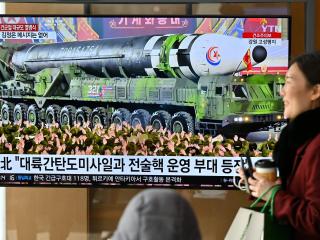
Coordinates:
column 183, row 82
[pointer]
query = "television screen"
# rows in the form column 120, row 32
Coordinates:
column 138, row 101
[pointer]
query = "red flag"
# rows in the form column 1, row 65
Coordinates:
column 247, row 60
column 205, row 26
column 85, row 32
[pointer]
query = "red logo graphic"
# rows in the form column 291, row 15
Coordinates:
column 213, row 56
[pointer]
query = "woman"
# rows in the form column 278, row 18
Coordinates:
column 297, row 153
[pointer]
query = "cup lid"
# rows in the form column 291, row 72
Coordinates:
column 265, row 163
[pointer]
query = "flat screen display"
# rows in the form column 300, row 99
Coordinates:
column 160, row 93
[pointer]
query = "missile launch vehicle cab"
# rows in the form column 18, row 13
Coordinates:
column 207, row 82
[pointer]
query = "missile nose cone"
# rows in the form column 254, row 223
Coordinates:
column 259, row 54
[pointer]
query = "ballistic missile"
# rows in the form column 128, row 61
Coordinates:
column 177, row 55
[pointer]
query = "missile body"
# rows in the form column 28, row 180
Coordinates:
column 182, row 55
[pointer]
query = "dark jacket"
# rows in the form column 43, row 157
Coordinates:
column 157, row 214
column 298, row 203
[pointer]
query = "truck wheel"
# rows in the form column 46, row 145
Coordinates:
column 52, row 114
column 67, row 115
column 99, row 116
column 120, row 115
column 182, row 121
column 140, row 116
column 20, row 113
column 33, row 115
column 83, row 115
column 7, row 112
column 160, row 119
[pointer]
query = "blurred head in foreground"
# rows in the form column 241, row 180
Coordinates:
column 158, row 214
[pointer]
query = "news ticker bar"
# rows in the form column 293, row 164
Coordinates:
column 121, row 165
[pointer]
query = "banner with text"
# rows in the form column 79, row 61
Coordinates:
column 95, row 170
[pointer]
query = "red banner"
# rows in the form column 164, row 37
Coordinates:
column 19, row 27
column 261, row 35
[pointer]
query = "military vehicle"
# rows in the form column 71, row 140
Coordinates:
column 183, row 82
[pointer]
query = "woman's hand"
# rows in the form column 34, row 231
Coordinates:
column 241, row 172
column 241, row 183
column 259, row 185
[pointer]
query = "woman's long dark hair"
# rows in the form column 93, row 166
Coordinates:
column 309, row 64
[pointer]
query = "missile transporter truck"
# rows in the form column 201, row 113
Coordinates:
column 182, row 82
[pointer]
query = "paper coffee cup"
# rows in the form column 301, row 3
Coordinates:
column 266, row 169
